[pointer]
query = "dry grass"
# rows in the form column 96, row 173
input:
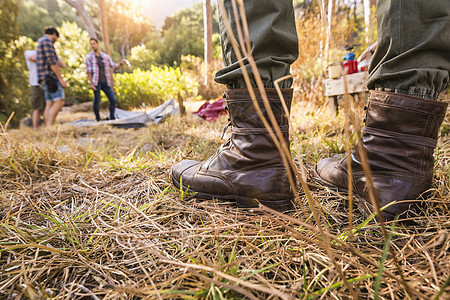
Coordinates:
column 89, row 212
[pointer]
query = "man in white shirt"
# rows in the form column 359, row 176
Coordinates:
column 37, row 94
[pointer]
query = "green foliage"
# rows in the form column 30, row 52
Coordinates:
column 127, row 25
column 31, row 19
column 217, row 49
column 183, row 34
column 14, row 89
column 196, row 67
column 9, row 29
column 151, row 87
column 170, row 50
column 35, row 15
column 183, row 39
column 13, row 73
column 72, row 47
column 141, row 57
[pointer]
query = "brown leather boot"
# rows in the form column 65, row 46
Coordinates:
column 247, row 168
column 399, row 136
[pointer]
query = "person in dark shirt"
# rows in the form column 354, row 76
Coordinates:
column 97, row 69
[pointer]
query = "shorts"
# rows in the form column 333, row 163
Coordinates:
column 58, row 95
column 37, row 98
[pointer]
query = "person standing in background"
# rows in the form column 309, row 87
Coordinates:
column 49, row 76
column 97, row 69
column 37, row 94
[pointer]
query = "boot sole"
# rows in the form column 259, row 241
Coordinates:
column 365, row 207
column 242, row 202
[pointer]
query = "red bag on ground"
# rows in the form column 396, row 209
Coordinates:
column 211, row 111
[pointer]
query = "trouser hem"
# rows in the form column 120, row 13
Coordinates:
column 240, row 84
column 415, row 93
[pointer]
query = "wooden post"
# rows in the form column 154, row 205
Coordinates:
column 333, row 105
column 181, row 105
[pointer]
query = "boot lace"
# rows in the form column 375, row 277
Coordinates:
column 225, row 129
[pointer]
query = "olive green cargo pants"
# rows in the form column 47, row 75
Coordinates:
column 413, row 55
column 274, row 44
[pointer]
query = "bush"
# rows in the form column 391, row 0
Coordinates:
column 72, row 47
column 13, row 71
column 195, row 66
column 152, row 87
column 14, row 89
column 143, row 58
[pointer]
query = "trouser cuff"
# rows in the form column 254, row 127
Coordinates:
column 414, row 91
column 268, row 84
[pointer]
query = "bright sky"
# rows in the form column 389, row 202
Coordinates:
column 158, row 10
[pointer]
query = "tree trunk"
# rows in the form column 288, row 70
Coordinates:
column 336, row 6
column 207, row 16
column 125, row 48
column 367, row 24
column 79, row 6
column 323, row 15
column 104, row 27
column 329, row 24
column 326, row 21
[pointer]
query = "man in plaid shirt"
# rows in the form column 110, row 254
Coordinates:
column 97, row 69
column 47, row 64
